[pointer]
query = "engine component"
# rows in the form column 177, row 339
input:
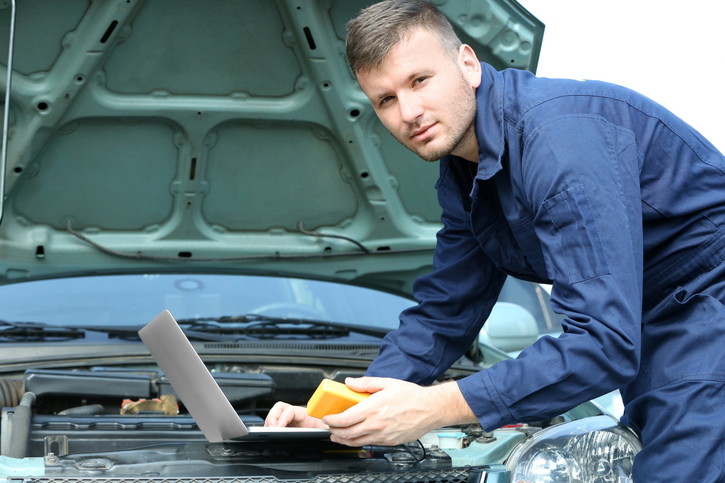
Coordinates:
column 166, row 404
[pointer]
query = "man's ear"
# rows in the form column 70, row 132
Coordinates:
column 469, row 65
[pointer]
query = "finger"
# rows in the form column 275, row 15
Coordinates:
column 280, row 415
column 362, row 439
column 347, row 418
column 366, row 383
column 287, row 417
column 348, row 435
column 272, row 415
column 347, row 442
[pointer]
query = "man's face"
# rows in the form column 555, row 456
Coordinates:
column 426, row 98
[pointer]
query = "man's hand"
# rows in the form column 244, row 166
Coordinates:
column 398, row 412
column 283, row 414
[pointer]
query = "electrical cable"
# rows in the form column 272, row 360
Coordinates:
column 273, row 256
column 412, row 453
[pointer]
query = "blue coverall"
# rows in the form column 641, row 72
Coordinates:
column 621, row 206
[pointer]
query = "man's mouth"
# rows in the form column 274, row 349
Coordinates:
column 422, row 133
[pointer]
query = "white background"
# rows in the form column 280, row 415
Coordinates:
column 670, row 51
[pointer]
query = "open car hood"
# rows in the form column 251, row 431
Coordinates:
column 215, row 136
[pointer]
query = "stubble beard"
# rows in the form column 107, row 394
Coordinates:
column 459, row 134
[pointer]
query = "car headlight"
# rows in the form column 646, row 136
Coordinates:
column 597, row 449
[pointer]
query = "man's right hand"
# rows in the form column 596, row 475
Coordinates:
column 286, row 415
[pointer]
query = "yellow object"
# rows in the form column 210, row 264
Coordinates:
column 332, row 397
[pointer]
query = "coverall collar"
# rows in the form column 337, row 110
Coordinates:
column 489, row 122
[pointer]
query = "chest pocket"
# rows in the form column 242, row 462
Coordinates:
column 581, row 248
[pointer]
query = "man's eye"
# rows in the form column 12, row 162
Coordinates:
column 385, row 100
column 419, row 80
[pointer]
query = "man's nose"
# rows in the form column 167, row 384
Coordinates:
column 411, row 109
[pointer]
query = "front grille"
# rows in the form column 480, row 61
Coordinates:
column 431, row 476
column 456, row 475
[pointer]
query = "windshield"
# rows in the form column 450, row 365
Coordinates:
column 135, row 299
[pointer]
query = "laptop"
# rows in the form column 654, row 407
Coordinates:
column 197, row 389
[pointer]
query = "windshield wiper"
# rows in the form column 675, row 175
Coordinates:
column 210, row 329
column 42, row 332
column 259, row 326
column 131, row 333
column 36, row 332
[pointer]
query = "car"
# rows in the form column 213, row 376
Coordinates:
column 217, row 160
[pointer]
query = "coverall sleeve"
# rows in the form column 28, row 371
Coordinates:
column 581, row 178
column 454, row 302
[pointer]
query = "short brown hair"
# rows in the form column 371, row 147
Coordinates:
column 379, row 27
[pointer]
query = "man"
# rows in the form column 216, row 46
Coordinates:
column 602, row 192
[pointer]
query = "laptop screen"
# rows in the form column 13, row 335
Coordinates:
column 200, row 393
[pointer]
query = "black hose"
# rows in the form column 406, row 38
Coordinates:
column 20, row 432
column 87, row 410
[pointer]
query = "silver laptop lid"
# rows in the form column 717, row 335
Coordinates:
column 191, row 380
column 198, row 390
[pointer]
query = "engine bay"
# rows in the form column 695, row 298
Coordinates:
column 109, row 408
column 127, row 422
